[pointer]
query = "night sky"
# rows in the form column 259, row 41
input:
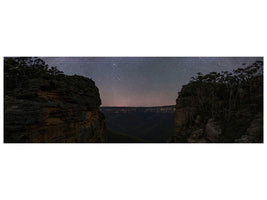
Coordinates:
column 143, row 81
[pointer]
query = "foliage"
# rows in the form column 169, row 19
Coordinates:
column 18, row 70
column 228, row 97
column 25, row 76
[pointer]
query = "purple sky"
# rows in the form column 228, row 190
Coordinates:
column 143, row 81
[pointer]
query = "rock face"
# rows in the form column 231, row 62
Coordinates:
column 213, row 131
column 191, row 128
column 197, row 137
column 254, row 132
column 221, row 108
column 183, row 114
column 54, row 110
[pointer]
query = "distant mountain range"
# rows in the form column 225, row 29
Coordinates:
column 154, row 109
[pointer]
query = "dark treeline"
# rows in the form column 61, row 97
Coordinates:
column 24, row 76
column 17, row 70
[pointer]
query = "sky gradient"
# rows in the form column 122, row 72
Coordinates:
column 143, row 81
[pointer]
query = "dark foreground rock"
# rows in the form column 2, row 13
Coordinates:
column 53, row 109
column 221, row 107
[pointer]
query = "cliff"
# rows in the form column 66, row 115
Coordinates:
column 221, row 107
column 50, row 107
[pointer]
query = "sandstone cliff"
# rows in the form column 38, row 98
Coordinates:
column 221, row 107
column 51, row 108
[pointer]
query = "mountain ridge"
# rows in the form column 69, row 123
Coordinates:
column 125, row 109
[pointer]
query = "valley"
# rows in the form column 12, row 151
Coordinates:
column 141, row 124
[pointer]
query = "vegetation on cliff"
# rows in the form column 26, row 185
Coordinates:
column 230, row 100
column 24, row 76
column 44, row 105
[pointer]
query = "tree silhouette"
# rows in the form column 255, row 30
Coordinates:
column 223, row 93
column 18, row 70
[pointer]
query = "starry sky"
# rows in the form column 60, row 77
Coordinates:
column 143, row 81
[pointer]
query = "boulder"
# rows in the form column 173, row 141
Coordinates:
column 254, row 131
column 213, row 131
column 197, row 137
column 256, row 127
column 244, row 139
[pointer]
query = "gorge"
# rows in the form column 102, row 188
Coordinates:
column 43, row 105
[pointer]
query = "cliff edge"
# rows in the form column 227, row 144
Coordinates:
column 42, row 105
column 221, row 107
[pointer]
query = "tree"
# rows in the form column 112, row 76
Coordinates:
column 18, row 70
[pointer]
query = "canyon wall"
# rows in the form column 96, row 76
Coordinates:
column 53, row 109
column 221, row 108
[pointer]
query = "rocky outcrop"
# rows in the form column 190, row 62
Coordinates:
column 247, row 127
column 255, row 129
column 221, row 108
column 190, row 128
column 54, row 110
column 254, row 132
column 213, row 131
column 183, row 114
column 197, row 137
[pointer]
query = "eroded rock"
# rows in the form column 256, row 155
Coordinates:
column 197, row 137
column 67, row 112
column 213, row 131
